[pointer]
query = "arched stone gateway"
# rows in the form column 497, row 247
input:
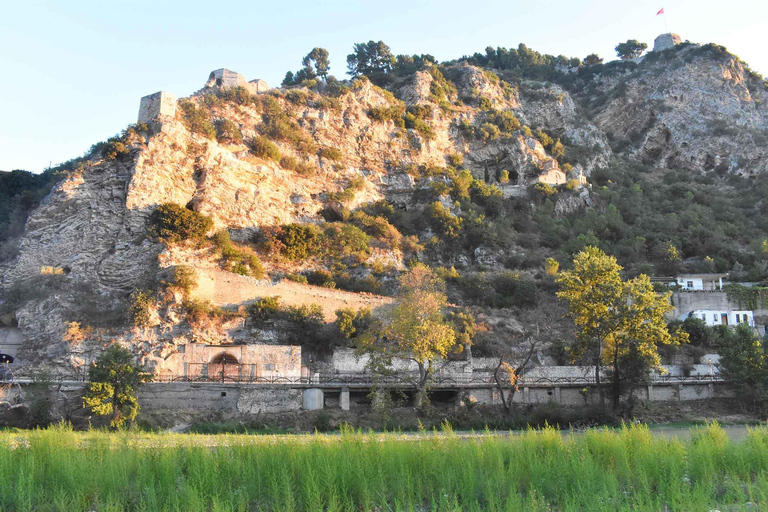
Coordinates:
column 224, row 366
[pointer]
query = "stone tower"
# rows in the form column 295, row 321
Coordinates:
column 226, row 79
column 666, row 41
column 159, row 104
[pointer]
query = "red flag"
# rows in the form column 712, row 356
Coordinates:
column 660, row 12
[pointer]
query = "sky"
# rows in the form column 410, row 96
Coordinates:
column 73, row 71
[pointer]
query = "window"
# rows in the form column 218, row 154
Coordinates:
column 689, row 284
column 714, row 318
column 738, row 318
column 270, row 367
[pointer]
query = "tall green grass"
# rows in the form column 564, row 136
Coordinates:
column 624, row 469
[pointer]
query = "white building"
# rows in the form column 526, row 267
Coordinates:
column 713, row 317
column 701, row 282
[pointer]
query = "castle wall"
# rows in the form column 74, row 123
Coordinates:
column 158, row 104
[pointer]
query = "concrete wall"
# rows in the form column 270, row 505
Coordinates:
column 344, row 360
column 214, row 397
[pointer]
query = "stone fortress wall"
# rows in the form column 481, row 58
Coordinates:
column 163, row 103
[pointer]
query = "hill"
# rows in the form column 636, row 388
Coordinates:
column 483, row 168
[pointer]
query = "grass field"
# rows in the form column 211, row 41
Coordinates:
column 624, row 469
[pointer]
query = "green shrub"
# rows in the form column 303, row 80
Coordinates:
column 237, row 259
column 294, row 241
column 455, row 159
column 115, row 149
column 348, row 194
column 414, row 122
column 489, row 132
column 140, row 307
column 265, row 309
column 394, row 113
column 277, row 125
column 196, row 119
column 505, row 120
column 321, row 277
column 300, row 167
column 228, row 132
column 351, row 323
column 297, row 278
column 345, row 240
column 377, row 227
column 238, row 95
column 329, row 153
column 443, row 221
column 544, row 138
column 172, row 223
column 485, row 103
column 185, row 278
column 264, row 148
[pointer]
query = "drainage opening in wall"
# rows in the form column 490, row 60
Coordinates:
column 223, row 393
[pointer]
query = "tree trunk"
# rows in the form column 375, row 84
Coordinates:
column 597, row 373
column 616, row 383
column 499, row 385
column 421, row 388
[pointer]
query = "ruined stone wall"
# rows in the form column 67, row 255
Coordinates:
column 158, row 104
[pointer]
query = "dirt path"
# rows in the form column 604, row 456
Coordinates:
column 228, row 289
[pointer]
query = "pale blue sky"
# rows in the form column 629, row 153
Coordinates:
column 73, row 71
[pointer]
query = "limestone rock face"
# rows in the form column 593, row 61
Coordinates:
column 693, row 107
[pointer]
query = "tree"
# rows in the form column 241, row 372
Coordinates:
column 114, row 380
column 630, row 49
column 317, row 63
column 370, row 59
column 173, row 223
column 744, row 363
column 415, row 330
column 592, row 59
column 621, row 322
column 507, row 375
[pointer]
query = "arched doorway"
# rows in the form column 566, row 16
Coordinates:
column 224, row 366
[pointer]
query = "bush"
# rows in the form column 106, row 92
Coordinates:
column 544, row 138
column 506, row 121
column 294, row 241
column 197, row 120
column 394, row 113
column 455, row 159
column 329, row 153
column 297, row 278
column 277, row 125
column 300, row 167
column 322, row 278
column 262, row 147
column 237, row 259
column 185, row 278
column 228, row 132
column 172, row 223
column 345, row 240
column 351, row 323
column 140, row 308
column 489, row 132
column 265, row 309
column 443, row 221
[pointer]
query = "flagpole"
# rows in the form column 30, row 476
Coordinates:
column 665, row 22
